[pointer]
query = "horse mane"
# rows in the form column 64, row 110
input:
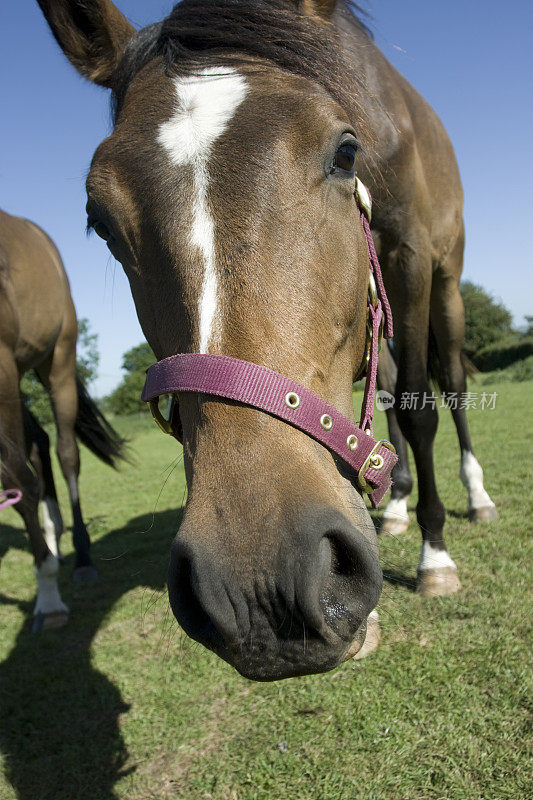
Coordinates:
column 202, row 33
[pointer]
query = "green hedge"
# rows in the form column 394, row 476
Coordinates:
column 503, row 354
column 518, row 372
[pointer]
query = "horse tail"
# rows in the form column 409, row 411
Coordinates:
column 94, row 430
column 470, row 369
column 435, row 369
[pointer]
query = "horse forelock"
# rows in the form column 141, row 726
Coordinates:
column 199, row 34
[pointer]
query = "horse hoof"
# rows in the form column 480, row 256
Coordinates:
column 54, row 619
column 85, row 574
column 484, row 514
column 372, row 639
column 393, row 527
column 434, row 582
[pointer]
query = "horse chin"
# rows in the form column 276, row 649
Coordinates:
column 256, row 667
column 258, row 663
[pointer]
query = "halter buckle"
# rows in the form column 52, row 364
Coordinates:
column 363, row 483
column 373, row 301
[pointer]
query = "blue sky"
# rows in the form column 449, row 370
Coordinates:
column 472, row 61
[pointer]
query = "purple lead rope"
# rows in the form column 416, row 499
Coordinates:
column 10, row 497
column 375, row 268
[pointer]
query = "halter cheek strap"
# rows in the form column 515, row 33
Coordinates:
column 268, row 391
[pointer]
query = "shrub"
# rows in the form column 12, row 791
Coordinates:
column 487, row 320
column 503, row 354
column 126, row 398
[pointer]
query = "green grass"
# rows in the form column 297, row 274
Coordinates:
column 119, row 704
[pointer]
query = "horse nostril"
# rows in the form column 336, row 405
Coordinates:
column 345, row 558
column 184, row 600
column 354, row 582
column 198, row 597
column 353, row 556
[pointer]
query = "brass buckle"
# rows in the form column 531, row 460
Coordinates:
column 373, row 301
column 363, row 199
column 377, row 462
column 163, row 421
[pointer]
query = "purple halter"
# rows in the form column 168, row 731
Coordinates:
column 268, row 391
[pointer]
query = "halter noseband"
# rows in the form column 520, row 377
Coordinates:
column 268, row 391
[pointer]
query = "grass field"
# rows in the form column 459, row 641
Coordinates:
column 119, row 704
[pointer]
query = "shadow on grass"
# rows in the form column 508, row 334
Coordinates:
column 59, row 716
column 397, row 578
column 12, row 539
column 457, row 514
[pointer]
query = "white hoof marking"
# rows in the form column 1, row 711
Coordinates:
column 397, row 509
column 471, row 476
column 433, row 559
column 52, row 524
column 48, row 597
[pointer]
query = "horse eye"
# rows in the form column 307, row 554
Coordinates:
column 102, row 231
column 344, row 160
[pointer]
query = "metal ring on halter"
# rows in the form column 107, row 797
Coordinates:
column 373, row 301
column 164, row 422
column 371, row 460
column 362, row 196
column 372, row 291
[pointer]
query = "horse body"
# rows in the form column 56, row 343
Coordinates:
column 25, row 243
column 38, row 330
column 226, row 190
column 419, row 234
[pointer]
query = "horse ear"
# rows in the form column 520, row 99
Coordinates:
column 91, row 33
column 319, row 8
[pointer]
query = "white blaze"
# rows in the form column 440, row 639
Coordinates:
column 206, row 102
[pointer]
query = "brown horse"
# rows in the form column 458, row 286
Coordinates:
column 226, row 190
column 448, row 367
column 38, row 330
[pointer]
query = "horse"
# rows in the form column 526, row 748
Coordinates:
column 38, row 331
column 228, row 191
column 449, row 373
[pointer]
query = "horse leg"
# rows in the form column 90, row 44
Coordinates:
column 50, row 611
column 416, row 412
column 59, row 377
column 38, row 449
column 448, row 325
column 395, row 518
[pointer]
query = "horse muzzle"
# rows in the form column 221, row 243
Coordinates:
column 299, row 614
